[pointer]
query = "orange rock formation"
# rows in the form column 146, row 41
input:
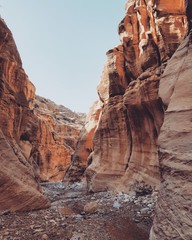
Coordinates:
column 19, row 188
column 175, row 152
column 37, row 137
column 125, row 141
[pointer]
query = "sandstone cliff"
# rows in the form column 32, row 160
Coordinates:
column 37, row 137
column 125, row 148
column 173, row 218
column 19, row 188
column 140, row 117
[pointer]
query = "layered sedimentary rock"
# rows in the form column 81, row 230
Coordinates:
column 82, row 156
column 37, row 137
column 19, row 187
column 173, row 218
column 58, row 130
column 125, row 142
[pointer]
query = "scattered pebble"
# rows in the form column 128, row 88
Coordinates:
column 75, row 214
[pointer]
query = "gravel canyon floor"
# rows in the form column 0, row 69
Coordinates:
column 77, row 215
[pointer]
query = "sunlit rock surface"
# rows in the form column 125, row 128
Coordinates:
column 58, row 130
column 82, row 156
column 125, row 148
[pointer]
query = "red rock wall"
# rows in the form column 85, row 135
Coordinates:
column 82, row 156
column 125, row 141
column 57, row 134
column 19, row 187
column 37, row 137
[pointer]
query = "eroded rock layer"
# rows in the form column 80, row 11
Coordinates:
column 125, row 142
column 37, row 137
column 58, row 130
column 82, row 156
column 19, row 189
column 174, row 209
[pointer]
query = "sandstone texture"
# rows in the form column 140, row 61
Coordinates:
column 19, row 189
column 37, row 137
column 82, row 156
column 173, row 218
column 55, row 142
column 125, row 151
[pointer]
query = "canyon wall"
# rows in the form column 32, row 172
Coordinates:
column 37, row 137
column 125, row 150
column 19, row 187
column 173, row 218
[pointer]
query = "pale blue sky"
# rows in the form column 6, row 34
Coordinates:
column 63, row 43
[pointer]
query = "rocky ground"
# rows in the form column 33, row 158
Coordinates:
column 77, row 215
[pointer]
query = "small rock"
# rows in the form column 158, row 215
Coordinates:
column 136, row 220
column 116, row 204
column 78, row 217
column 38, row 230
column 82, row 213
column 53, row 222
column 151, row 205
column 144, row 210
column 32, row 227
column 6, row 233
column 44, row 237
column 91, row 207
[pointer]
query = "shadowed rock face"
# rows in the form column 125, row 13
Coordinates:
column 19, row 188
column 173, row 218
column 37, row 137
column 125, row 141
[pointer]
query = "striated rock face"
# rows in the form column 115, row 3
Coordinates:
column 19, row 188
column 58, row 130
column 37, row 137
column 125, row 141
column 173, row 218
column 82, row 156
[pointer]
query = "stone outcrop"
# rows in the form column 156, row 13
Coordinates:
column 173, row 218
column 19, row 188
column 125, row 148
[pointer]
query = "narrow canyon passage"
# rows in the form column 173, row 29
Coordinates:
column 123, row 172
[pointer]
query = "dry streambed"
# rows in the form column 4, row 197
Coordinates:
column 78, row 215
